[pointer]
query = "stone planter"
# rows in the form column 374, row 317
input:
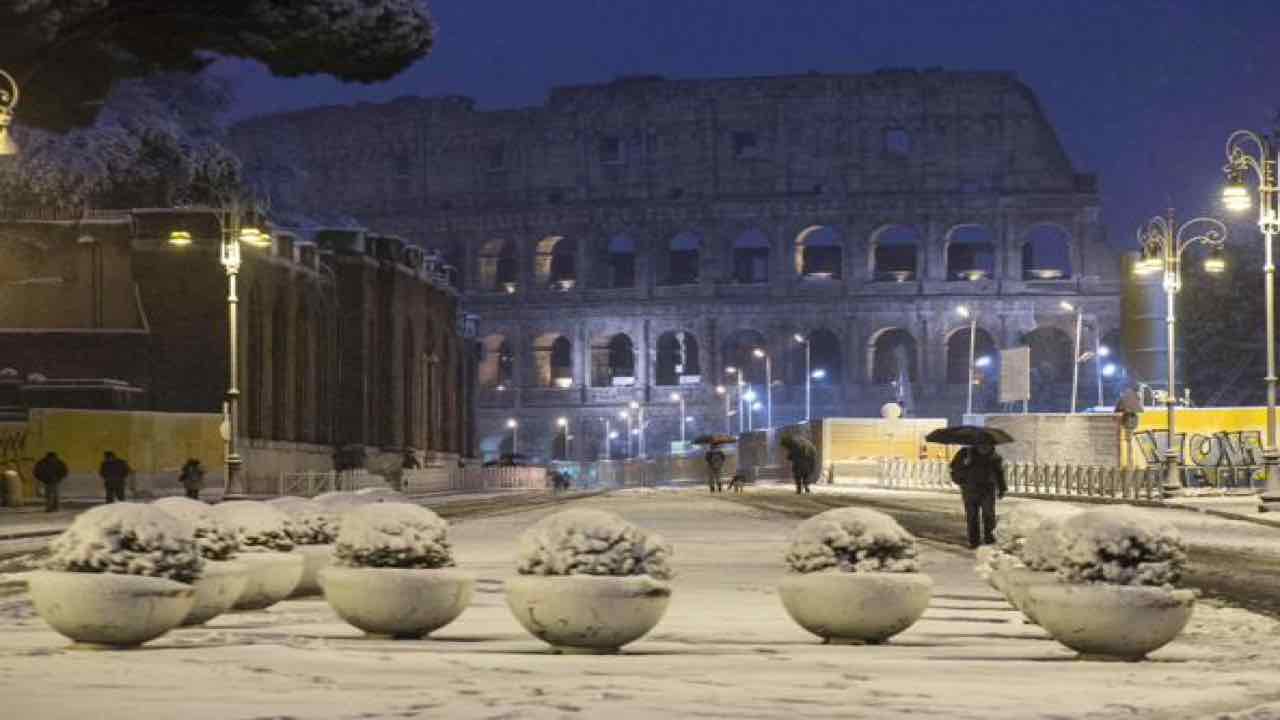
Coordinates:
column 220, row 585
column 314, row 558
column 1015, row 583
column 591, row 614
column 1111, row 622
column 272, row 578
column 398, row 602
column 109, row 609
column 855, row 608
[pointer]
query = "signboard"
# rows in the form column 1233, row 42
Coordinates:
column 1015, row 375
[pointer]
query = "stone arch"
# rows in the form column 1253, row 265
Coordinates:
column 555, row 262
column 893, row 351
column 499, row 269
column 895, row 253
column 497, row 362
column 1046, row 252
column 1051, row 351
column 751, row 257
column 280, row 386
column 971, row 253
column 553, row 360
column 677, row 355
column 683, row 259
column 957, row 343
column 825, row 355
column 738, row 350
column 819, row 252
column 613, row 359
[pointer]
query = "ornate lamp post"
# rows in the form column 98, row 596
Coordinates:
column 1236, row 197
column 1163, row 242
column 8, row 102
column 231, row 235
column 808, row 380
column 964, row 312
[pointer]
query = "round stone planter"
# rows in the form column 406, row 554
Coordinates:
column 315, row 558
column 856, row 608
column 1111, row 622
column 397, row 602
column 221, row 583
column 1015, row 582
column 272, row 578
column 108, row 609
column 587, row 613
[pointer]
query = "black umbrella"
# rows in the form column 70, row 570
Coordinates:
column 714, row 440
column 969, row 435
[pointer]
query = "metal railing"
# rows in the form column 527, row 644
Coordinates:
column 310, row 484
column 1084, row 481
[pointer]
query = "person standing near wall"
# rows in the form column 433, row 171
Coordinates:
column 192, row 478
column 50, row 471
column 114, row 471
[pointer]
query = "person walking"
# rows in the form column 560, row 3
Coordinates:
column 979, row 471
column 192, row 478
column 715, row 458
column 114, row 471
column 803, row 457
column 50, row 471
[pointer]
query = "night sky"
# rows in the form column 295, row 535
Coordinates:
column 1142, row 92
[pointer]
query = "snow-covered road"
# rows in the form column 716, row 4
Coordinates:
column 725, row 649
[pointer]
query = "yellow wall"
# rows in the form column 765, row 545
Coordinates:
column 853, row 438
column 1207, row 421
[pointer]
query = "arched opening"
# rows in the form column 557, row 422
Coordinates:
column 553, row 361
column 683, row 258
column 1046, row 253
column 738, row 352
column 498, row 268
column 893, row 356
column 497, row 362
column 971, row 253
column 958, row 357
column 825, row 357
column 894, row 253
column 819, row 253
column 751, row 258
column 555, row 264
column 619, row 263
column 677, row 358
column 1051, row 365
column 613, row 362
column 280, row 370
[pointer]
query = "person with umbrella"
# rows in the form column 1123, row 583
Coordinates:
column 979, row 471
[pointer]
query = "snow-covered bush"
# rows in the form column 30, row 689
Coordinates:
column 216, row 539
column 1120, row 546
column 313, row 524
column 393, row 535
column 851, row 540
column 591, row 542
column 127, row 539
column 261, row 526
column 1026, row 536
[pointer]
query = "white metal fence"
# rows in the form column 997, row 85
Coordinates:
column 310, row 484
column 1089, row 481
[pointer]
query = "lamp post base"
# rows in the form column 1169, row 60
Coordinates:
column 1270, row 500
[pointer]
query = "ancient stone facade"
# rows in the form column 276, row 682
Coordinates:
column 630, row 240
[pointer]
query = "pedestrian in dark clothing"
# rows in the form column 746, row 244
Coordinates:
column 114, row 471
column 979, row 471
column 50, row 471
column 410, row 461
column 715, row 458
column 803, row 457
column 192, row 478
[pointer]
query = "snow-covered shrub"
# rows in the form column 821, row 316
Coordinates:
column 1026, row 537
column 591, row 542
column 127, row 539
column 1120, row 546
column 261, row 526
column 393, row 535
column 851, row 540
column 313, row 524
column 216, row 539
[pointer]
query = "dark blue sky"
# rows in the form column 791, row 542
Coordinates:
column 1142, row 92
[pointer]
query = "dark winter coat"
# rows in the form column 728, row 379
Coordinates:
column 115, row 468
column 192, row 477
column 715, row 460
column 802, row 455
column 50, row 470
column 972, row 470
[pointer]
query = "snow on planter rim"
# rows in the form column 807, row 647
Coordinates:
column 851, row 540
column 1120, row 546
column 393, row 535
column 313, row 523
column 216, row 539
column 127, row 539
column 582, row 541
column 261, row 526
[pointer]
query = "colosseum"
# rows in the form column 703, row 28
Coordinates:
column 678, row 244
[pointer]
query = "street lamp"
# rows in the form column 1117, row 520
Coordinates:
column 750, row 403
column 8, row 101
column 731, row 370
column 1235, row 196
column 640, row 425
column 515, row 436
column 609, row 435
column 231, row 236
column 1075, row 354
column 1163, row 242
column 624, row 415
column 768, row 386
column 724, row 391
column 563, row 422
column 964, row 312
column 808, row 379
column 677, row 397
column 1099, row 351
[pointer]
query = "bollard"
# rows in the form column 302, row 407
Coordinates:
column 10, row 488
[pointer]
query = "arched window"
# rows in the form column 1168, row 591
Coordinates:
column 893, row 356
column 620, row 261
column 553, row 361
column 751, row 258
column 738, row 352
column 683, row 257
column 677, row 357
column 497, row 362
column 555, row 263
column 280, row 369
column 958, row 356
column 818, row 252
column 498, row 267
column 894, row 252
column 613, row 362
column 1046, row 253
column 971, row 253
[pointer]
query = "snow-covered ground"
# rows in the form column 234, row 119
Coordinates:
column 725, row 649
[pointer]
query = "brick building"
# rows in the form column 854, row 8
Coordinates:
column 629, row 240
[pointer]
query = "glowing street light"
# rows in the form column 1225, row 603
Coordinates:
column 728, row 423
column 640, row 426
column 677, row 397
column 768, row 386
column 8, row 101
column 964, row 312
column 515, row 434
column 563, row 422
column 624, row 415
column 808, row 376
column 731, row 370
